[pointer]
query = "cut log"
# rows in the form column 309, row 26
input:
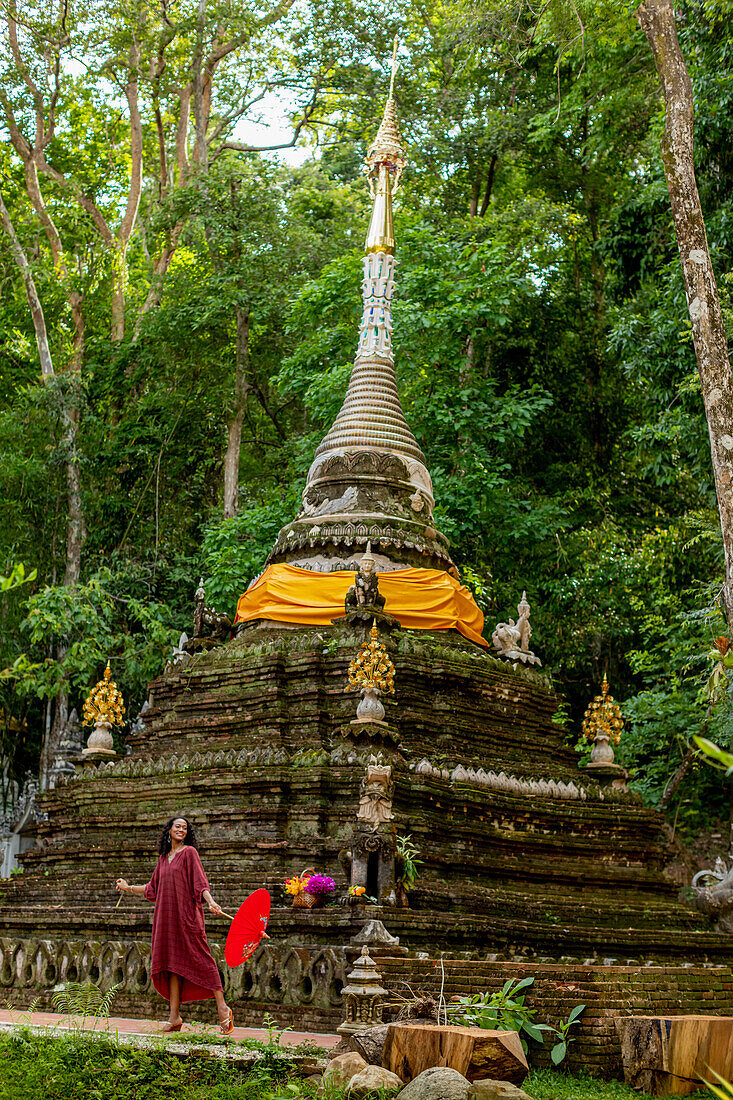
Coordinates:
column 673, row 1055
column 370, row 1044
column 475, row 1053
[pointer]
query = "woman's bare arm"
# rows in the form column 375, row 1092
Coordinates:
column 124, row 887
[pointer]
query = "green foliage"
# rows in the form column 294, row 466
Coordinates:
column 85, row 999
column 723, row 1089
column 17, row 577
column 506, row 1010
column 98, row 621
column 408, row 854
column 550, row 1085
column 80, row 1066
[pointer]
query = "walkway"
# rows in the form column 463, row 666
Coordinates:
column 121, row 1026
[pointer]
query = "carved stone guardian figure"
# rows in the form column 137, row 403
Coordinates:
column 511, row 639
column 714, row 894
column 363, row 602
column 210, row 627
column 375, row 804
column 374, row 846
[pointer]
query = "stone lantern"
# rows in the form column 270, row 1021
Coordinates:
column 362, row 995
column 103, row 709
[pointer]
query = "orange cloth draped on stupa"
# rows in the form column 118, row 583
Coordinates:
column 420, row 599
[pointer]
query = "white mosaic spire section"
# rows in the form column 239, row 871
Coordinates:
column 375, row 331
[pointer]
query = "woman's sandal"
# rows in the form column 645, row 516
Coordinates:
column 171, row 1027
column 228, row 1027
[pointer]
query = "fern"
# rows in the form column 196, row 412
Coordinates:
column 85, row 999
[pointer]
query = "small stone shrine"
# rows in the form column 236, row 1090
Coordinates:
column 530, row 864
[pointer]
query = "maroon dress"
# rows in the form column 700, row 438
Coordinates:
column 179, row 937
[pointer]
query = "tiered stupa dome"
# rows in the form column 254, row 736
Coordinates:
column 369, row 480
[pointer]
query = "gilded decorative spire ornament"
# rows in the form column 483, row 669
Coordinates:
column 104, row 702
column 372, row 673
column 603, row 716
column 369, row 479
column 103, row 709
column 602, row 724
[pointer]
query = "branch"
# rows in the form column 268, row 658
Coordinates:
column 34, row 302
column 308, row 112
column 228, row 119
column 136, row 151
column 87, row 204
column 23, row 68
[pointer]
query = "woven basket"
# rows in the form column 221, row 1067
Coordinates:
column 306, row 901
column 303, row 900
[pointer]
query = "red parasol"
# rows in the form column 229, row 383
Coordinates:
column 248, row 928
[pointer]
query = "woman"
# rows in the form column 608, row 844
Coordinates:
column 183, row 968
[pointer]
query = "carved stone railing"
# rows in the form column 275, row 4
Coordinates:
column 276, row 973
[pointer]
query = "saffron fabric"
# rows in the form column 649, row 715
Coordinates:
column 179, row 936
column 420, row 599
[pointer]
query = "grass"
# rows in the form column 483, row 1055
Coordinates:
column 547, row 1085
column 81, row 1066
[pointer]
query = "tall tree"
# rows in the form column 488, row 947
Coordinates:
column 657, row 19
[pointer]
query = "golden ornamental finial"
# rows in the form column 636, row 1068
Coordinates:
column 372, row 669
column 603, row 716
column 385, row 162
column 104, row 702
column 394, row 65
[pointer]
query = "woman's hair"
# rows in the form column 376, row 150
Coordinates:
column 164, row 844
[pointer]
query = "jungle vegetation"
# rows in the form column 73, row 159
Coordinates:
column 199, row 300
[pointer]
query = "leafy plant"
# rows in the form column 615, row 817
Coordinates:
column 560, row 1048
column 506, row 1010
column 408, row 853
column 85, row 999
column 725, row 1092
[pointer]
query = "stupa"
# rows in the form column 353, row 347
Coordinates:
column 529, row 865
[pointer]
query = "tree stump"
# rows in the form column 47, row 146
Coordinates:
column 669, row 1055
column 472, row 1051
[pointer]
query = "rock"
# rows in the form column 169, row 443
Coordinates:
column 373, row 1081
column 438, row 1083
column 370, row 1044
column 342, row 1047
column 343, row 1067
column 496, row 1090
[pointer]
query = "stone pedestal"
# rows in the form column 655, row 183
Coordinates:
column 608, row 775
column 602, row 765
column 99, row 744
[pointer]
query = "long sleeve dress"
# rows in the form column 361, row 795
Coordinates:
column 179, row 937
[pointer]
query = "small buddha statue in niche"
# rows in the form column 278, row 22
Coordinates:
column 364, row 592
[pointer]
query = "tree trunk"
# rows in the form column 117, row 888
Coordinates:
column 489, row 185
column 34, row 302
column 234, row 441
column 708, row 331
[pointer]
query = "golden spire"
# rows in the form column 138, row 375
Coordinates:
column 385, row 162
column 104, row 702
column 372, row 669
column 603, row 716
